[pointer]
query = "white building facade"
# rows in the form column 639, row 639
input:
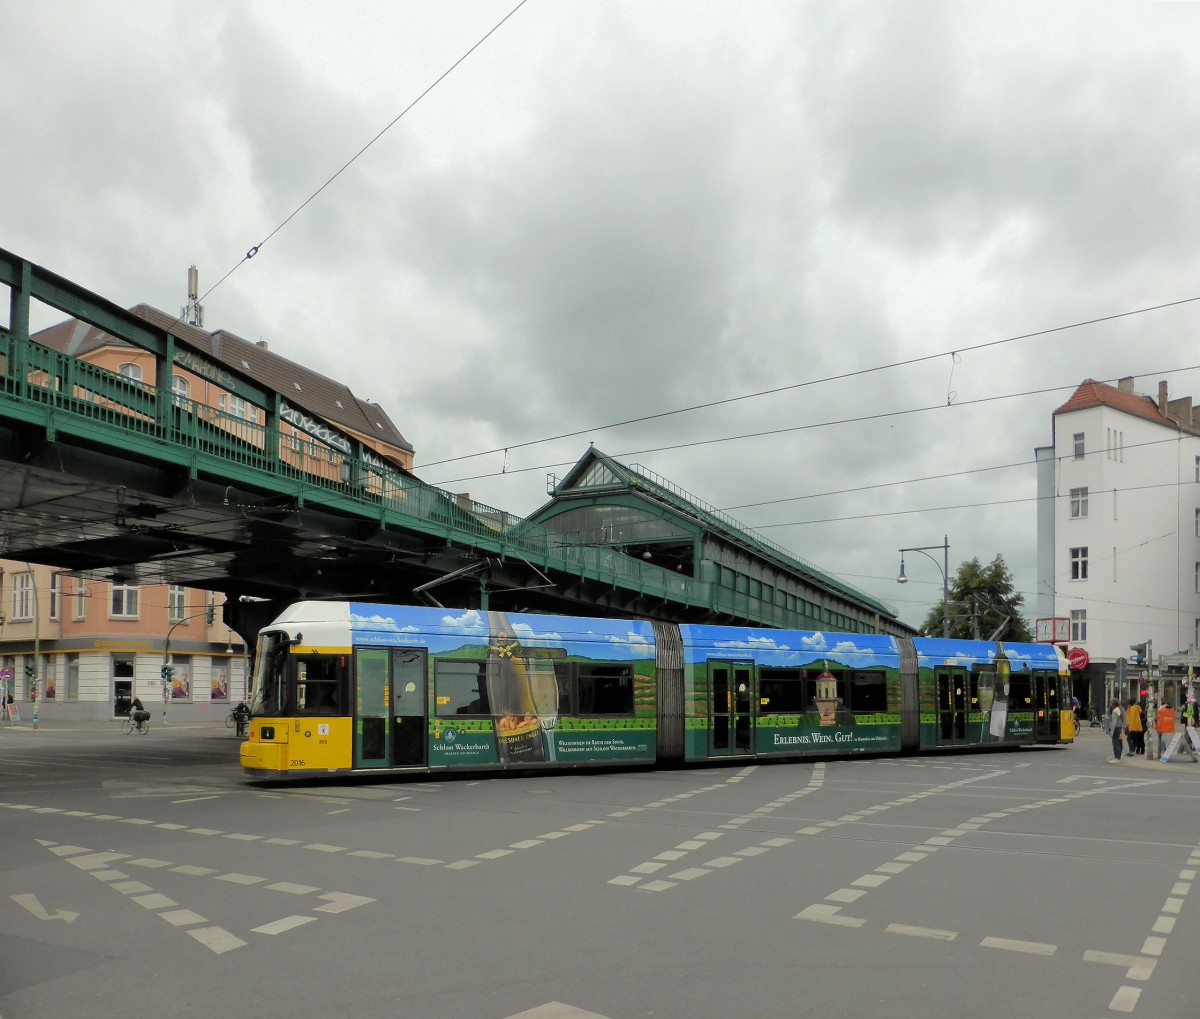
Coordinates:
column 1119, row 530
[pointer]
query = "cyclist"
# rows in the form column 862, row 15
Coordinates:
column 138, row 712
column 241, row 715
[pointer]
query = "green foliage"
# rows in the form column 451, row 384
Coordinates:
column 981, row 600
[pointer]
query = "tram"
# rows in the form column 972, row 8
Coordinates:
column 346, row 687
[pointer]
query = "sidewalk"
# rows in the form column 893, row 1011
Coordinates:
column 93, row 725
column 1096, row 740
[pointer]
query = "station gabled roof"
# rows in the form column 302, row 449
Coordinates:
column 597, row 472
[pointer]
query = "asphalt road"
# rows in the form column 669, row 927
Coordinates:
column 142, row 876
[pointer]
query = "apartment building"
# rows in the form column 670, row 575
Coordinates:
column 1119, row 529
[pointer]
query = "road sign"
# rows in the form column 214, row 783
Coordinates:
column 1078, row 659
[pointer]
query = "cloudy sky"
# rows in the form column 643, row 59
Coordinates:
column 617, row 209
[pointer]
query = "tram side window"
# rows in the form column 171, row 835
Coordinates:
column 460, row 688
column 320, row 685
column 1020, row 696
column 868, row 692
column 604, row 689
column 781, row 692
column 562, row 674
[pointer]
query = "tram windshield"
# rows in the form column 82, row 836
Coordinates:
column 270, row 690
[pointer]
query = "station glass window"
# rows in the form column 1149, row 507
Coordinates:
column 460, row 688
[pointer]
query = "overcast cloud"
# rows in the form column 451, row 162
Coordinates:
column 615, row 209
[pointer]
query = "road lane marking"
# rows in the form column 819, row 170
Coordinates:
column 921, row 932
column 281, row 926
column 1013, row 945
column 30, row 902
column 1126, row 999
column 216, row 939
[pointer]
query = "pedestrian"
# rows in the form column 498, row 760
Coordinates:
column 1135, row 727
column 1116, row 729
column 241, row 715
column 1164, row 723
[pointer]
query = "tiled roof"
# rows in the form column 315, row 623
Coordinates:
column 1095, row 394
column 303, row 388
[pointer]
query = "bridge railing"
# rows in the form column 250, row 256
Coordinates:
column 87, row 392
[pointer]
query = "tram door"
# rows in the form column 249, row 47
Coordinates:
column 1046, row 702
column 952, row 701
column 372, row 689
column 731, row 722
column 409, row 705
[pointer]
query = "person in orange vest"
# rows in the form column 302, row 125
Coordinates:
column 1164, row 723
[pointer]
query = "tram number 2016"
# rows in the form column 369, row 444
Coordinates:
column 297, row 762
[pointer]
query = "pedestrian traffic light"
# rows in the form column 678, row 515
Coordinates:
column 211, row 611
column 1139, row 653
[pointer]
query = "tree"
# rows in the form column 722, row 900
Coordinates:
column 982, row 602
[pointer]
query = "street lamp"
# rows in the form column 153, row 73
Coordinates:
column 944, row 567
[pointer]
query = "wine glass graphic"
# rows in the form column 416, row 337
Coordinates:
column 543, row 687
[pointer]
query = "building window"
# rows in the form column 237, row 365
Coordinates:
column 72, row 677
column 1078, row 625
column 22, row 596
column 131, row 371
column 232, row 405
column 181, row 678
column 1079, row 564
column 1079, row 445
column 80, row 599
column 176, row 603
column 180, row 388
column 1079, row 501
column 1198, row 468
column 124, row 601
column 49, row 678
column 55, row 594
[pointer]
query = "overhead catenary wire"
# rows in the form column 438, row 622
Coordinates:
column 954, row 354
column 883, row 415
column 254, row 249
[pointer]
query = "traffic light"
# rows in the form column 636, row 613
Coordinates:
column 212, row 607
column 30, row 672
column 167, row 673
column 1139, row 653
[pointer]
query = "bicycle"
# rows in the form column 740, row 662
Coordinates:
column 231, row 718
column 142, row 725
